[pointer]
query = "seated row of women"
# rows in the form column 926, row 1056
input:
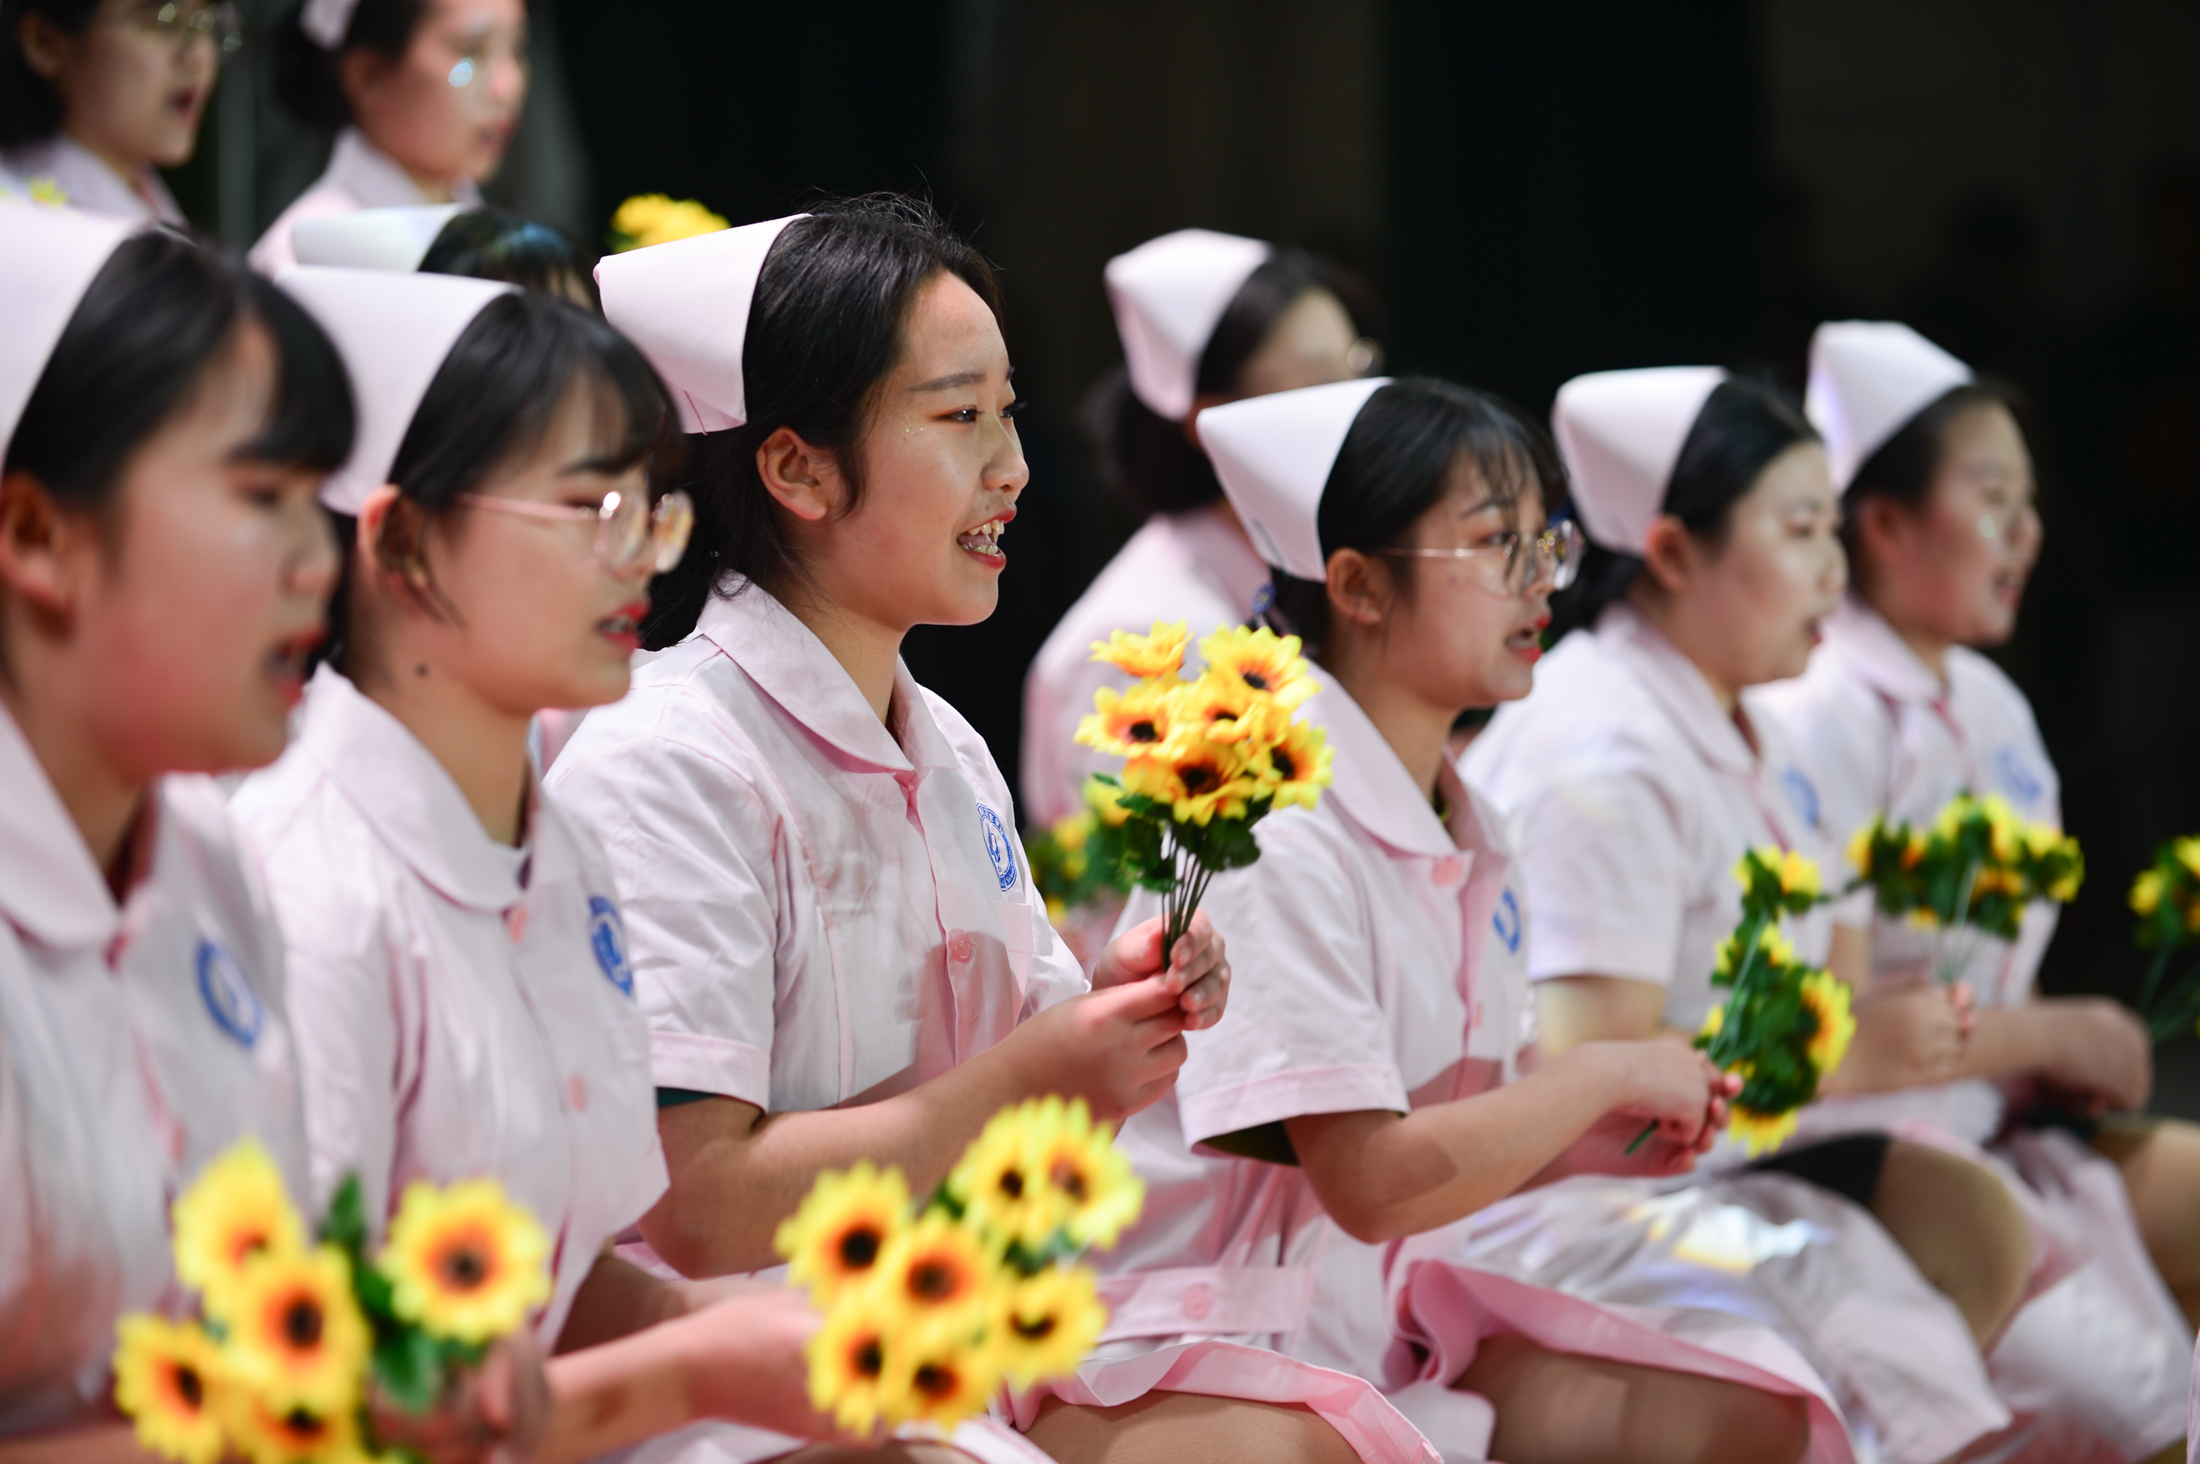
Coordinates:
column 762, row 918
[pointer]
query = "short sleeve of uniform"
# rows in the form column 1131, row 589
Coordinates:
column 1606, row 871
column 697, row 856
column 1305, row 1030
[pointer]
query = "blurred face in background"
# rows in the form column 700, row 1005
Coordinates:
column 1952, row 570
column 134, row 83
column 446, row 109
column 1312, row 343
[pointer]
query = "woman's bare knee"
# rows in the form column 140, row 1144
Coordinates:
column 1162, row 1428
column 1559, row 1408
column 1962, row 1229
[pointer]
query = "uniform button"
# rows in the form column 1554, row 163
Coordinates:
column 576, row 1087
column 515, row 921
column 1198, row 1301
column 960, row 947
column 1447, row 871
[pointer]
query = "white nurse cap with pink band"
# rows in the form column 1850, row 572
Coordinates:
column 1620, row 433
column 393, row 331
column 325, row 21
column 686, row 304
column 1868, row 378
column 372, row 238
column 48, row 259
column 1169, row 294
column 1274, row 454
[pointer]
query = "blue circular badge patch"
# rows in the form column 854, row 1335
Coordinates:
column 607, row 938
column 999, row 847
column 2018, row 779
column 229, row 997
column 1507, row 921
column 1803, row 794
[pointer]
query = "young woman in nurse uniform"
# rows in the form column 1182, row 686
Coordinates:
column 831, row 928
column 164, row 418
column 1637, row 774
column 423, row 95
column 460, row 989
column 97, row 94
column 1204, row 318
column 1896, row 715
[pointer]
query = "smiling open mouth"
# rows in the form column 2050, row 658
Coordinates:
column 985, row 539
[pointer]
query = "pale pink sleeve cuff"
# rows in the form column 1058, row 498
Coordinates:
column 1365, row 1087
column 1555, row 951
column 710, row 1065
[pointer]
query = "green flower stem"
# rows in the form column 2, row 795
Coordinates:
column 1722, row 1049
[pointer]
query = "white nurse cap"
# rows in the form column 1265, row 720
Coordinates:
column 325, row 21
column 1868, row 378
column 1273, row 454
column 1620, row 433
column 1169, row 295
column 686, row 304
column 393, row 331
column 372, row 238
column 48, row 259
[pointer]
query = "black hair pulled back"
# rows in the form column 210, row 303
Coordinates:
column 826, row 327
column 1396, row 464
column 496, row 244
column 157, row 317
column 308, row 79
column 1144, row 456
column 1742, row 427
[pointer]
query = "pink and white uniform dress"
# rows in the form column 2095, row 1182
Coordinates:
column 137, row 1041
column 823, row 910
column 1379, row 955
column 86, row 182
column 1631, row 793
column 359, row 175
column 2098, row 1360
column 1196, row 567
column 462, row 1009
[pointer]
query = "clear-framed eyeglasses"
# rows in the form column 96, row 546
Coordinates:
column 627, row 525
column 1552, row 557
column 181, row 24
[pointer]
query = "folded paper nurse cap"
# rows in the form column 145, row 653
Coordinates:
column 48, row 258
column 1273, row 454
column 393, row 331
column 1868, row 378
column 686, row 304
column 325, row 21
column 372, row 238
column 1620, row 433
column 1169, row 295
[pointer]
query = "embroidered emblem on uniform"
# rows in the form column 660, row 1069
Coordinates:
column 999, row 847
column 607, row 938
column 1507, row 921
column 2017, row 777
column 229, row 997
column 1803, row 794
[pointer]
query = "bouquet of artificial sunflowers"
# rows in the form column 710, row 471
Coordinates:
column 2166, row 898
column 1974, row 869
column 292, row 1332
column 927, row 1311
column 654, row 218
column 1204, row 760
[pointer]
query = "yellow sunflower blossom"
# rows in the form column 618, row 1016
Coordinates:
column 1078, row 1158
column 1264, row 661
column 2146, row 892
column 1714, row 1021
column 942, row 1377
column 847, row 1357
column 1923, row 918
column 1224, row 708
column 844, row 1225
column 654, row 218
column 465, row 1262
column 1048, row 1322
column 1196, row 782
column 236, row 1209
column 2005, row 830
column 1159, row 654
column 1073, row 830
column 1144, row 721
column 1860, row 848
column 1106, row 802
column 935, row 1273
column 296, row 1336
column 269, row 1433
column 44, row 189
column 1798, row 874
column 1913, row 853
column 1758, row 1132
column 1296, row 767
column 2187, row 852
column 168, row 1377
column 1001, row 1186
column 1828, row 1000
